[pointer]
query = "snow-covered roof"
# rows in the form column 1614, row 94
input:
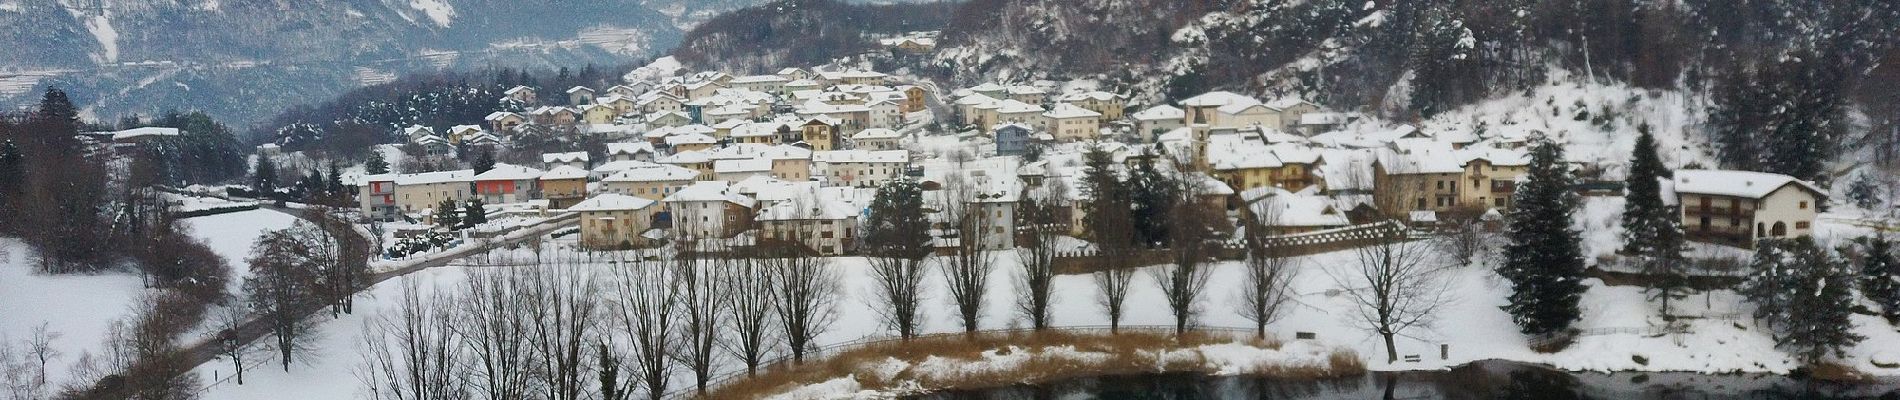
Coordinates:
column 569, row 157
column 611, row 202
column 742, row 165
column 1160, row 113
column 1066, row 111
column 1233, row 152
column 564, row 172
column 876, row 133
column 1745, row 184
column 1226, row 102
column 709, row 191
column 1017, row 107
column 144, row 132
column 506, row 172
column 760, row 79
column 578, row 89
column 629, row 148
column 1278, row 207
column 1096, row 95
column 861, row 156
column 653, row 173
column 462, row 175
column 1422, row 159
column 690, row 138
column 809, row 205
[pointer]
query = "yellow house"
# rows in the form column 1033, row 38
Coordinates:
column 819, row 134
column 564, row 186
column 651, row 182
column 598, row 114
column 614, row 221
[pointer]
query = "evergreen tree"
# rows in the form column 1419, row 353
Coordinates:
column 1651, row 232
column 1863, row 193
column 1820, row 302
column 1106, row 211
column 473, row 213
column 1544, row 261
column 484, row 161
column 264, row 176
column 447, row 215
column 376, row 164
column 897, row 226
column 336, row 188
column 12, row 180
column 1153, row 196
column 1880, row 274
column 1768, row 279
column 58, row 112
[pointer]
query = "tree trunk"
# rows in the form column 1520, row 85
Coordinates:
column 1391, row 349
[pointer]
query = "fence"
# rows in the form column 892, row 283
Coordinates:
column 1294, row 245
column 815, row 355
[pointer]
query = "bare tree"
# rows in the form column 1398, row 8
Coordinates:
column 1191, row 231
column 562, row 303
column 966, row 270
column 1462, row 234
column 649, row 306
column 703, row 299
column 1269, row 279
column 1035, row 282
column 39, row 347
column 1398, row 284
column 230, row 344
column 805, row 295
column 494, row 325
column 339, row 254
column 279, row 291
column 415, row 353
column 749, row 281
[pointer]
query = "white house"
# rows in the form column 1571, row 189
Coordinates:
column 1738, row 207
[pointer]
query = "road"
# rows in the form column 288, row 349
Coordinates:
column 206, row 349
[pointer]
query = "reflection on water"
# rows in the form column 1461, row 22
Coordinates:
column 1483, row 380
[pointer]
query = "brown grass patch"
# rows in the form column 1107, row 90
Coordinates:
column 1048, row 358
column 1835, row 372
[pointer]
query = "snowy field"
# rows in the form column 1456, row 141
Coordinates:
column 79, row 309
column 1622, row 330
column 230, row 235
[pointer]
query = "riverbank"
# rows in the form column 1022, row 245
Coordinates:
column 1005, row 358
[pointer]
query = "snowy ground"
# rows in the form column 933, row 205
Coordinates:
column 231, row 236
column 77, row 308
column 1619, row 324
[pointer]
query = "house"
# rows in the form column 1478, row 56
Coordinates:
column 580, row 95
column 564, row 186
column 464, row 133
column 1026, row 94
column 914, row 98
column 710, row 209
column 758, row 133
column 1241, row 162
column 418, row 192
column 555, row 116
column 669, row 119
column 577, row 159
column 1492, row 176
column 1068, row 122
column 820, row 133
column 1282, row 212
column 794, row 73
column 735, row 170
column 621, row 105
column 876, row 139
column 1736, row 208
column 629, row 90
column 415, row 133
column 1425, row 177
column 761, row 83
column 614, row 221
column 505, row 184
column 651, row 181
column 690, row 142
column 1156, row 120
column 502, row 121
column 377, row 196
column 598, row 114
column 1012, row 139
column 861, row 168
column 698, row 161
column 521, row 94
column 990, row 203
column 1228, row 110
column 825, row 225
column 1012, row 111
column 636, row 151
column 1109, row 105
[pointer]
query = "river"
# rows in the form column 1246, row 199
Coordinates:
column 1481, row 380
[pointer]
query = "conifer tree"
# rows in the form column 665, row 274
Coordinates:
column 1820, row 302
column 1651, row 232
column 447, row 215
column 484, row 160
column 1544, row 261
column 1768, row 280
column 264, row 176
column 376, row 164
column 335, row 187
column 473, row 213
column 1880, row 274
column 12, row 177
column 1153, row 196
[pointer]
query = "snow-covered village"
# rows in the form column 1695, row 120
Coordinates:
column 920, row 209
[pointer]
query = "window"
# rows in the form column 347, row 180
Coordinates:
column 1804, row 205
column 1704, row 223
column 1801, row 225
